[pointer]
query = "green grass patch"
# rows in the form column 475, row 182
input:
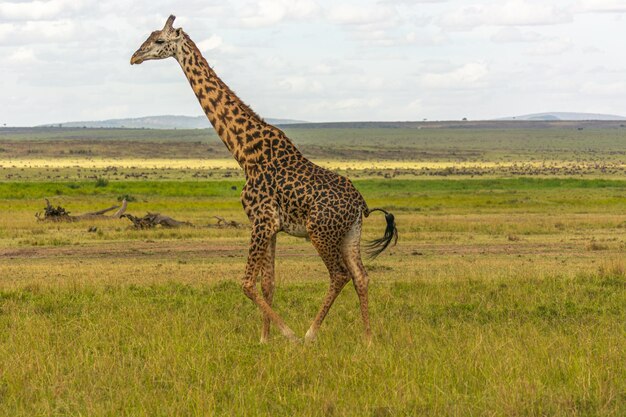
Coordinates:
column 528, row 347
column 21, row 190
column 230, row 188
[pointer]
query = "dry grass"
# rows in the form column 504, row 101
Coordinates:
column 503, row 298
column 467, row 321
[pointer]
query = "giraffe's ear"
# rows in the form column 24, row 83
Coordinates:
column 178, row 33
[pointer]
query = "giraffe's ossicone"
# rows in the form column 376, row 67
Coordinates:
column 284, row 191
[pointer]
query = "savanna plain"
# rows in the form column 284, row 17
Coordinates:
column 505, row 296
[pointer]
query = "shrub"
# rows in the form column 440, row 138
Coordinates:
column 126, row 197
column 102, row 182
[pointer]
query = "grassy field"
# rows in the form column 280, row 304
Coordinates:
column 402, row 150
column 506, row 296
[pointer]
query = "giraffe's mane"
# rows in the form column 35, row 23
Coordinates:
column 245, row 107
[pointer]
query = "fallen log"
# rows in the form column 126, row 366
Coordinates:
column 116, row 215
column 222, row 223
column 54, row 213
column 151, row 220
column 60, row 214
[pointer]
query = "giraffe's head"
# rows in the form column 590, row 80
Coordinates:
column 160, row 44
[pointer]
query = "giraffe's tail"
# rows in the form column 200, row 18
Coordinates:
column 377, row 246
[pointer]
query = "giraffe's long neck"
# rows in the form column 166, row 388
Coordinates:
column 251, row 140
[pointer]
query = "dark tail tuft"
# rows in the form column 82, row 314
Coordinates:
column 376, row 246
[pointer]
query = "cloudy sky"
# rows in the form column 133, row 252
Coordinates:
column 316, row 60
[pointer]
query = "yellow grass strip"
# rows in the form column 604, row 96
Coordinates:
column 227, row 163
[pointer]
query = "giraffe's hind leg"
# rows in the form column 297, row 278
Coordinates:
column 339, row 276
column 267, row 286
column 351, row 255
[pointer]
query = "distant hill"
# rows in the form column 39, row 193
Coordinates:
column 158, row 122
column 565, row 116
column 538, row 120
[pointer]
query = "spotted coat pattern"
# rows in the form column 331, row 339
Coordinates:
column 284, row 191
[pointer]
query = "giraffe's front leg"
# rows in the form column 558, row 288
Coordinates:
column 262, row 235
column 267, row 286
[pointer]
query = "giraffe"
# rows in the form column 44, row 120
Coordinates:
column 283, row 192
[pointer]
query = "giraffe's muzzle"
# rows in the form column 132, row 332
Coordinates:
column 136, row 58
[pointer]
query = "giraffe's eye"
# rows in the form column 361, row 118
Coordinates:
column 159, row 41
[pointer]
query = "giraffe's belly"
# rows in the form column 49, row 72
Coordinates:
column 297, row 230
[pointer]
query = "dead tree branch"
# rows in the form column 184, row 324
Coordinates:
column 118, row 214
column 56, row 214
column 222, row 223
column 100, row 212
column 60, row 214
column 151, row 220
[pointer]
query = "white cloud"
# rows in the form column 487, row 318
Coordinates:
column 592, row 49
column 270, row 12
column 298, row 84
column 550, row 47
column 378, row 37
column 317, row 60
column 394, row 37
column 359, row 14
column 467, row 76
column 215, row 43
column 37, row 32
column 38, row 10
column 210, row 43
column 275, row 63
column 22, row 55
column 602, row 6
column 426, row 38
column 416, row 105
column 411, row 2
column 322, row 69
column 353, row 104
column 507, row 13
column 617, row 88
column 113, row 111
column 605, row 71
column 543, row 45
column 379, row 25
column 513, row 34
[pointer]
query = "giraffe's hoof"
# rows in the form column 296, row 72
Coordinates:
column 310, row 335
column 289, row 334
